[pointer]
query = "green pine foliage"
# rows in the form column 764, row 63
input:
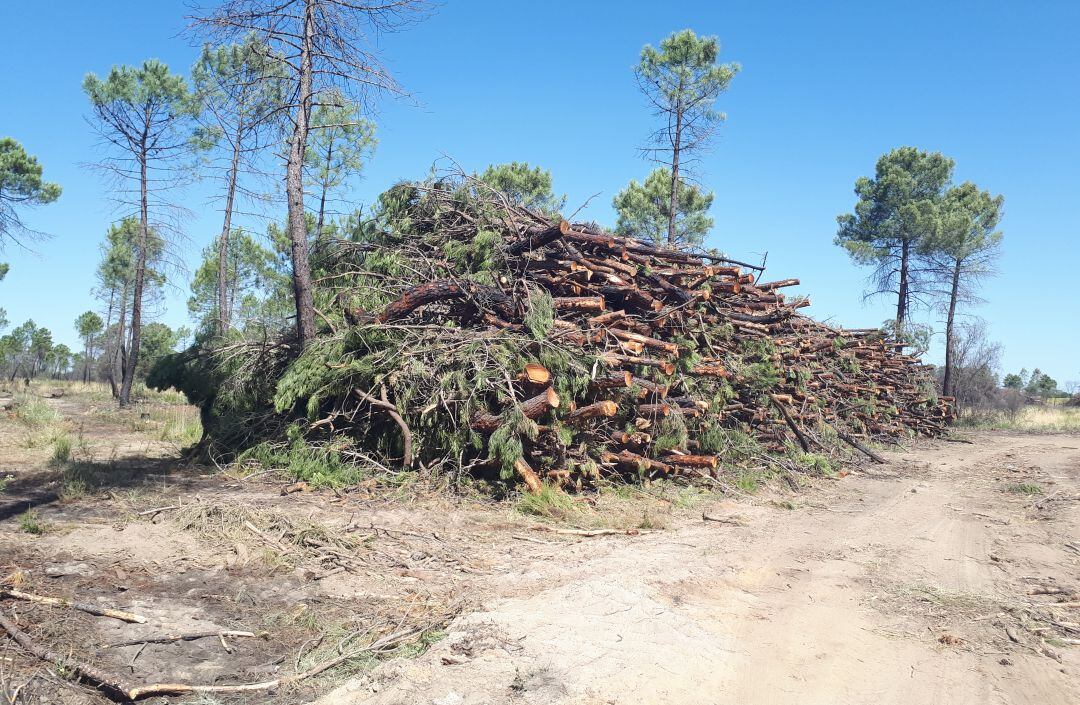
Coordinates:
column 21, row 186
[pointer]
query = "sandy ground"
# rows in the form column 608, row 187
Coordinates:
column 949, row 575
column 911, row 583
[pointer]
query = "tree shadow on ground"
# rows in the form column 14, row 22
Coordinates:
column 76, row 478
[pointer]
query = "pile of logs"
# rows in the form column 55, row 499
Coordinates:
column 672, row 329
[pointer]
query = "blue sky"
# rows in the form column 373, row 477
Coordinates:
column 826, row 88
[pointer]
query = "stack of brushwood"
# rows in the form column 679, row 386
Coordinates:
column 468, row 333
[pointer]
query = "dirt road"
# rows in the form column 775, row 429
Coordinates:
column 949, row 575
column 930, row 580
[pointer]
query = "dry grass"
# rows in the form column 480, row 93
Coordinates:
column 278, row 539
column 100, row 391
column 1051, row 418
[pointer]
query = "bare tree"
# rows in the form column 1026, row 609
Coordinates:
column 324, row 46
column 976, row 362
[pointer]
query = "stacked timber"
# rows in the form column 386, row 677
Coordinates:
column 690, row 353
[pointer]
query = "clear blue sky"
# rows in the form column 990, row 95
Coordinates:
column 826, row 88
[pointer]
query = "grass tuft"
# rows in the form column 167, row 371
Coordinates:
column 34, row 411
column 549, row 502
column 61, row 447
column 31, row 523
column 1024, row 488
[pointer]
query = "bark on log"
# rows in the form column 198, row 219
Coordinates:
column 616, row 360
column 692, row 461
column 532, row 408
column 670, row 348
column 538, row 236
column 710, row 371
column 613, row 381
column 627, row 459
column 770, row 286
column 594, row 410
column 579, row 303
column 416, row 297
column 658, row 390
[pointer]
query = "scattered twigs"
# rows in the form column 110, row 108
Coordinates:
column 157, row 510
column 111, row 681
column 80, row 606
column 122, row 687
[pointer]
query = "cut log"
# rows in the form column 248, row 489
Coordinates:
column 579, row 303
column 616, row 360
column 532, row 408
column 528, row 476
column 419, row 296
column 632, row 460
column 712, row 370
column 770, row 286
column 692, row 461
column 606, row 318
column 594, row 410
column 653, row 343
column 658, row 390
column 613, row 381
column 535, row 373
column 538, row 236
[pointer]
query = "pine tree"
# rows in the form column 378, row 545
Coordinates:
column 141, row 112
column 683, row 82
column 895, row 215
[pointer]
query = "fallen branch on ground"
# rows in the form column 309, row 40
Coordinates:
column 81, row 606
column 119, row 685
column 169, row 638
column 592, row 532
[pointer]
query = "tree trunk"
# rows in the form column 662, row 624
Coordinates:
column 322, row 196
column 902, row 294
column 294, row 187
column 140, row 281
column 676, row 148
column 106, row 351
column 116, row 368
column 948, row 383
column 223, row 241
